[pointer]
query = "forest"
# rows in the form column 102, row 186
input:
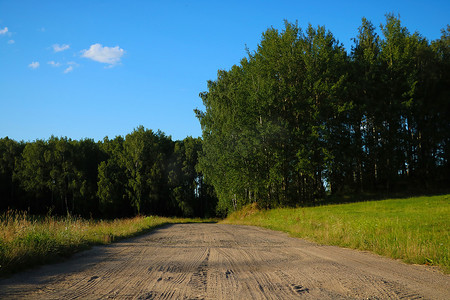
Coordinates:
column 145, row 173
column 297, row 120
column 301, row 118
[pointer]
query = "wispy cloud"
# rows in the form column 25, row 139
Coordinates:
column 3, row 31
column 68, row 69
column 59, row 48
column 54, row 64
column 106, row 55
column 34, row 65
column 71, row 66
column 11, row 42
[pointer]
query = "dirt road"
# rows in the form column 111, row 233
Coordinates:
column 212, row 261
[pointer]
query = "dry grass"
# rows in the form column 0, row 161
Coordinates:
column 29, row 240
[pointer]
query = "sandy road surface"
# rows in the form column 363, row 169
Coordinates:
column 211, row 261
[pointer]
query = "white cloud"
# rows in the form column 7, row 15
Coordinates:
column 106, row 55
column 4, row 30
column 68, row 69
column 34, row 65
column 11, row 42
column 69, row 66
column 54, row 64
column 59, row 48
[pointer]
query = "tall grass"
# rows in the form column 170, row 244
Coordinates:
column 415, row 230
column 30, row 240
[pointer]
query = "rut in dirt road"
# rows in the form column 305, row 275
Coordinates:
column 212, row 261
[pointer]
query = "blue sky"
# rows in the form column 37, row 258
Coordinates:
column 90, row 69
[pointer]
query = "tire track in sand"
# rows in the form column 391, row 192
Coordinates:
column 212, row 261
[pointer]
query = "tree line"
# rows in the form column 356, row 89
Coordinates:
column 297, row 119
column 300, row 117
column 144, row 173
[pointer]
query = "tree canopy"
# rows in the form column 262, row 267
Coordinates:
column 144, row 173
column 300, row 117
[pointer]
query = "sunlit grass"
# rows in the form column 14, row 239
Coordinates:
column 29, row 240
column 415, row 230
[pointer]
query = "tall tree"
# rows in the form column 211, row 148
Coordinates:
column 265, row 122
column 112, row 181
column 10, row 193
column 144, row 159
column 365, row 89
column 33, row 174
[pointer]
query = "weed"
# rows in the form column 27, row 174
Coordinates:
column 27, row 240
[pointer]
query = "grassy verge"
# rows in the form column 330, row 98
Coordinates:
column 26, row 240
column 415, row 230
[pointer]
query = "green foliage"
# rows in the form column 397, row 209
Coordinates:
column 143, row 173
column 300, row 118
column 58, row 174
column 415, row 230
column 263, row 130
column 143, row 159
column 112, row 180
column 9, row 190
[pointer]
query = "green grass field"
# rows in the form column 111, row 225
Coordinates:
column 415, row 230
column 26, row 240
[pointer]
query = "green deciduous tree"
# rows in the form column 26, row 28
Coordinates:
column 300, row 116
column 10, row 192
